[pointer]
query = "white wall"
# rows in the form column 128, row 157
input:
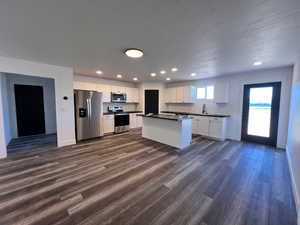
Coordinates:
column 152, row 86
column 63, row 78
column 293, row 145
column 234, row 107
column 6, row 113
column 49, row 100
column 3, row 151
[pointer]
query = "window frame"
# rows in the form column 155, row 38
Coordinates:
column 206, row 92
column 213, row 92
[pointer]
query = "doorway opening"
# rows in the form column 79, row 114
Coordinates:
column 29, row 112
column 261, row 104
column 151, row 101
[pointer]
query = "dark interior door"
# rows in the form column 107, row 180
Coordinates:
column 151, row 101
column 30, row 110
column 261, row 113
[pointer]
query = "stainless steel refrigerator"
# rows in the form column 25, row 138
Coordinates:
column 88, row 112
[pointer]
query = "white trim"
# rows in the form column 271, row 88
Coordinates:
column 294, row 185
column 66, row 143
column 3, row 155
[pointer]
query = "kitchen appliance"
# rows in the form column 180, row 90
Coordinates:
column 121, row 122
column 118, row 97
column 114, row 109
column 88, row 111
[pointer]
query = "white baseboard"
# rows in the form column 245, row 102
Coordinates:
column 66, row 142
column 4, row 155
column 294, row 185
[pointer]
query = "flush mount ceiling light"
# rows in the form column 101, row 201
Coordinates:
column 174, row 69
column 153, row 74
column 162, row 71
column 134, row 53
column 99, row 72
column 168, row 78
column 258, row 63
column 119, row 75
column 193, row 74
column 135, row 79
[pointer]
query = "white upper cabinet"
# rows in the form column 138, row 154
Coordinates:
column 189, row 94
column 184, row 94
column 221, row 92
column 173, row 97
column 107, row 93
column 131, row 92
column 136, row 95
column 132, row 95
column 179, row 94
column 105, row 90
column 77, row 85
column 100, row 88
column 84, row 86
column 167, row 95
column 118, row 89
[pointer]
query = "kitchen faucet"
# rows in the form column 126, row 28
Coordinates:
column 204, row 109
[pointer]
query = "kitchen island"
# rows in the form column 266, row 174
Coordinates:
column 173, row 130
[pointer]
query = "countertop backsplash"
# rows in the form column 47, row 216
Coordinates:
column 211, row 108
column 126, row 106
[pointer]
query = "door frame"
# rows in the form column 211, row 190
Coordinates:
column 275, row 107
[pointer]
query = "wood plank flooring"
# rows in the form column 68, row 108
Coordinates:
column 128, row 180
column 32, row 143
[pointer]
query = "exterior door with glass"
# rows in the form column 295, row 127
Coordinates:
column 261, row 113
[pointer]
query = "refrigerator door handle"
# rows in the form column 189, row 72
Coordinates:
column 88, row 108
column 90, row 104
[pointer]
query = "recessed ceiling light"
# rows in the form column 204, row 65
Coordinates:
column 257, row 63
column 162, row 71
column 168, row 78
column 174, row 69
column 153, row 74
column 135, row 78
column 193, row 74
column 119, row 75
column 134, row 53
column 99, row 72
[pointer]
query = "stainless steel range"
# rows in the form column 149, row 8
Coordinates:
column 121, row 119
column 121, row 122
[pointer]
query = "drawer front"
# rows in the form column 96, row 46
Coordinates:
column 109, row 117
column 216, row 119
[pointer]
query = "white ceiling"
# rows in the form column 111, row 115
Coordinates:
column 209, row 37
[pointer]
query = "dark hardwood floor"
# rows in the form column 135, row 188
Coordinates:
column 126, row 179
column 32, row 143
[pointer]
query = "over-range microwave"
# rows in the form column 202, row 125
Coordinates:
column 118, row 97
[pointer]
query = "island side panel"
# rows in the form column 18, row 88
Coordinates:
column 168, row 132
column 186, row 133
